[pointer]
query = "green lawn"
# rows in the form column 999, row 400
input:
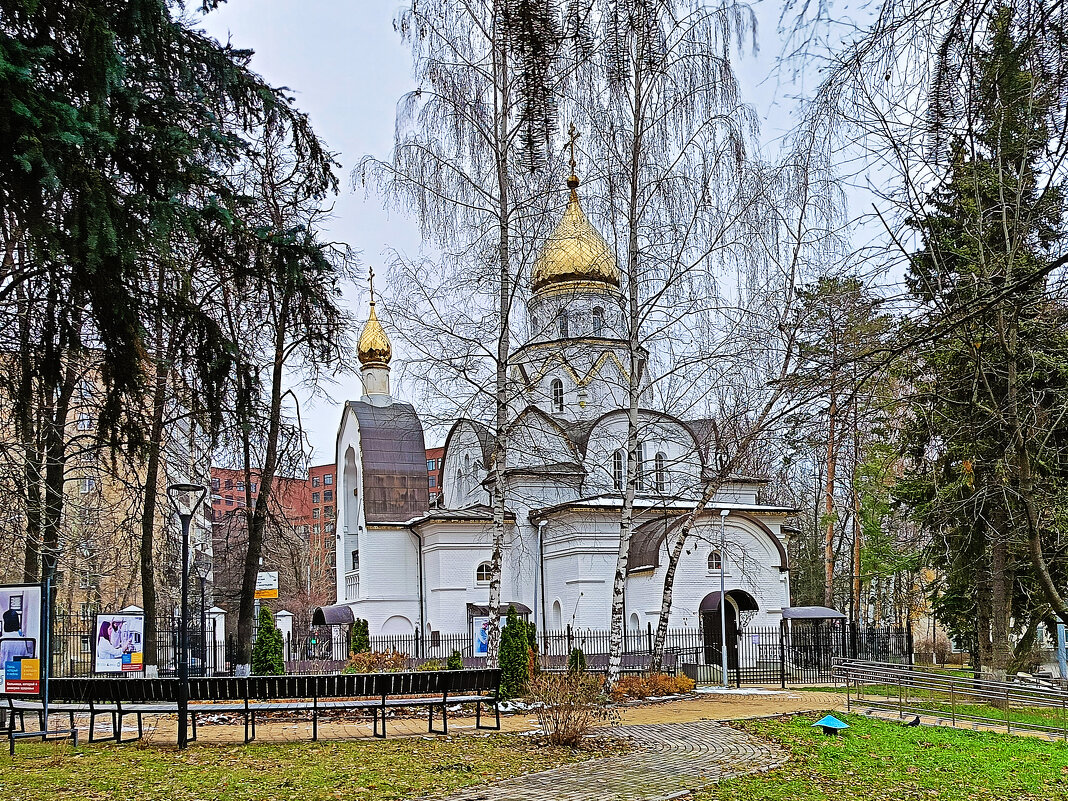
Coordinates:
column 354, row 771
column 877, row 761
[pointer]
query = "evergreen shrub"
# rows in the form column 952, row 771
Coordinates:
column 576, row 661
column 456, row 662
column 515, row 656
column 267, row 652
column 359, row 637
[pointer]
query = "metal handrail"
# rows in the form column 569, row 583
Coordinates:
column 906, row 681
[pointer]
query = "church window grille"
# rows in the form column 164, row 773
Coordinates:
column 356, row 560
column 660, row 475
column 618, row 474
column 484, row 573
column 715, row 561
column 557, row 388
column 641, row 466
column 460, row 489
column 598, row 322
column 561, row 323
column 535, row 327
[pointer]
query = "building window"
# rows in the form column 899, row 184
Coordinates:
column 355, row 560
column 430, row 463
column 315, row 529
column 87, row 643
column 329, row 528
column 229, row 484
column 535, row 328
column 432, row 481
column 715, row 561
column 215, row 483
column 618, row 470
column 315, row 481
column 641, row 466
column 253, row 487
column 660, row 472
column 598, row 322
column 85, row 422
column 88, row 485
column 484, row 573
column 328, row 511
column 328, row 495
column 315, row 497
column 557, row 390
column 229, row 500
column 561, row 323
column 315, row 514
column 328, row 479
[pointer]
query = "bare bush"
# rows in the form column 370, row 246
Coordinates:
column 569, row 705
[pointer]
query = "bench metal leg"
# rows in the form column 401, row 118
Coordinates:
column 380, row 711
column 444, row 720
column 496, row 714
column 315, row 718
column 193, row 720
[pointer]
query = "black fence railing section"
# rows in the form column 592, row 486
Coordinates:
column 74, row 645
column 788, row 654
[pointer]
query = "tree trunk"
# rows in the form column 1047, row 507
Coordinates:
column 634, row 455
column 502, row 98
column 258, row 524
column 828, row 505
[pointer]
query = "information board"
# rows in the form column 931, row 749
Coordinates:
column 119, row 646
column 20, row 639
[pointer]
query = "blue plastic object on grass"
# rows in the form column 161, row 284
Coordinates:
column 831, row 725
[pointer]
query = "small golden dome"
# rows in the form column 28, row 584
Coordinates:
column 374, row 349
column 574, row 251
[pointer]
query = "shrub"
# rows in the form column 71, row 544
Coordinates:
column 569, row 706
column 515, row 656
column 431, row 665
column 267, row 652
column 456, row 662
column 376, row 662
column 576, row 661
column 359, row 637
column 655, row 685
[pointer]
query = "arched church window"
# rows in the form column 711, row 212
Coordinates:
column 484, row 573
column 715, row 561
column 641, row 466
column 598, row 322
column 618, row 474
column 561, row 323
column 535, row 328
column 557, row 390
column 660, row 474
column 460, row 488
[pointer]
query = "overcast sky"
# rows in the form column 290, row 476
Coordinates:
column 347, row 69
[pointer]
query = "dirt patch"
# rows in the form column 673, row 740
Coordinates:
column 733, row 706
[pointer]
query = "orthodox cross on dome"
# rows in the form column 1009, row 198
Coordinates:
column 572, row 135
column 371, row 282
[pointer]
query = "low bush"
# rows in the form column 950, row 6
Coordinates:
column 456, row 662
column 568, row 705
column 376, row 662
column 653, row 685
column 431, row 665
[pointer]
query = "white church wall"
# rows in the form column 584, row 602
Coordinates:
column 348, row 504
column 463, row 470
column 657, row 435
column 389, row 564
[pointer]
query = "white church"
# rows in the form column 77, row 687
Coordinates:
column 405, row 566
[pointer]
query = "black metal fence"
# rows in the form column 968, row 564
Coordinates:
column 789, row 654
column 75, row 642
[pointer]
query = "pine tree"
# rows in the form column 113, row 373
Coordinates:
column 360, row 638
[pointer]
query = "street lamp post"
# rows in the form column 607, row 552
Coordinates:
column 722, row 591
column 186, row 499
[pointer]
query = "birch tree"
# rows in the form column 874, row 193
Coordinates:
column 470, row 141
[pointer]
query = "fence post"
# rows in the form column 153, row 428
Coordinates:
column 570, row 640
column 782, row 653
column 908, row 641
column 418, row 645
column 649, row 635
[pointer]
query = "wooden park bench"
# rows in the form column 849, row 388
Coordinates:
column 248, row 697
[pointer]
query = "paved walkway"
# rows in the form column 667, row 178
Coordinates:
column 667, row 761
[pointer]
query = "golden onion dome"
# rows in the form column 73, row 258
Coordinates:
column 574, row 251
column 374, row 349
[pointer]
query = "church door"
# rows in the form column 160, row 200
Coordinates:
column 710, row 624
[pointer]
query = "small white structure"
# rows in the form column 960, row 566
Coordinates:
column 406, row 567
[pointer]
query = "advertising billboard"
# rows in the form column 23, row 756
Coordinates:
column 20, row 639
column 119, row 643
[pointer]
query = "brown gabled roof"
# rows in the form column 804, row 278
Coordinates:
column 393, row 454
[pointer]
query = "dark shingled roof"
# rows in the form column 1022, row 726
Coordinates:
column 394, row 462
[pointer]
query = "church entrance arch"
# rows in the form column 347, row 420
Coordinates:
column 738, row 601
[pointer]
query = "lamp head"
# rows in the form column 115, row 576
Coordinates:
column 186, row 498
column 724, row 512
